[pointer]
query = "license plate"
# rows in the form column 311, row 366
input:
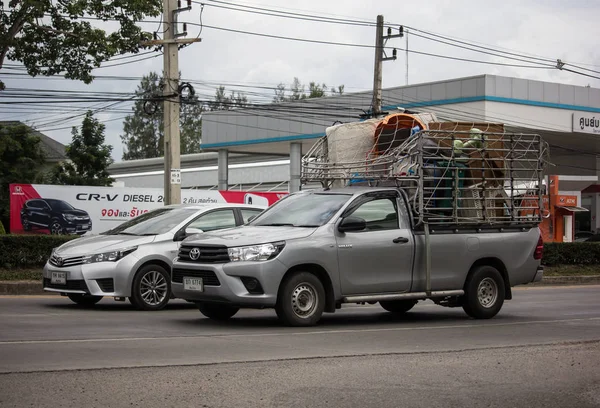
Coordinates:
column 59, row 278
column 85, row 227
column 193, row 284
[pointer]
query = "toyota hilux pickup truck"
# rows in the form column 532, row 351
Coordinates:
column 315, row 250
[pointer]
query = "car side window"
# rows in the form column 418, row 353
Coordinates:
column 214, row 220
column 247, row 213
column 380, row 214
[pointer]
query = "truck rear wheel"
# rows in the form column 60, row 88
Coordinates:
column 398, row 306
column 301, row 300
column 484, row 292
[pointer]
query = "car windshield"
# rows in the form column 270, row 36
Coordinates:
column 302, row 210
column 155, row 222
column 59, row 205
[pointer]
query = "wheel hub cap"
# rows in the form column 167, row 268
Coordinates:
column 487, row 292
column 304, row 300
column 153, row 288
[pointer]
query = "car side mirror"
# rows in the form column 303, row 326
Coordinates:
column 192, row 231
column 349, row 224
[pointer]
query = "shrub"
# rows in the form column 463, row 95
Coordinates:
column 2, row 230
column 28, row 251
column 571, row 253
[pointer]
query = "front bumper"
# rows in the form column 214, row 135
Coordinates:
column 223, row 282
column 539, row 275
column 98, row 279
column 78, row 227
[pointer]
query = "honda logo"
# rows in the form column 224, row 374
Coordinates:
column 194, row 254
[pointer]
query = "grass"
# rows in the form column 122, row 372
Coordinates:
column 562, row 270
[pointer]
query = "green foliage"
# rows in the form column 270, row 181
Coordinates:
column 89, row 157
column 28, row 251
column 2, row 230
column 21, row 158
column 143, row 133
column 50, row 37
column 298, row 91
column 224, row 102
column 571, row 253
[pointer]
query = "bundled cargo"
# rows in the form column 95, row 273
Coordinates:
column 452, row 172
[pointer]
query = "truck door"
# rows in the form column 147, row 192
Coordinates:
column 379, row 258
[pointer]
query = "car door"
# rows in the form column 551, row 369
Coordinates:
column 45, row 214
column 378, row 259
column 36, row 212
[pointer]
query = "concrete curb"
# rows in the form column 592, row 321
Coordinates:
column 21, row 288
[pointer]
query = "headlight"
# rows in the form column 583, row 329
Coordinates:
column 112, row 256
column 261, row 252
column 69, row 217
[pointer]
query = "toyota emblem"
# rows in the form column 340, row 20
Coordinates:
column 194, row 254
column 59, row 261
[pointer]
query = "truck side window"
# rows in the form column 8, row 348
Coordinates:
column 380, row 214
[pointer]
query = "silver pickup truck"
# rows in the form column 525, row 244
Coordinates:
column 314, row 250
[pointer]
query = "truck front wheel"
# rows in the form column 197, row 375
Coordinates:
column 301, row 300
column 484, row 292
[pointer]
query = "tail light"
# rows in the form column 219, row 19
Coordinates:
column 539, row 249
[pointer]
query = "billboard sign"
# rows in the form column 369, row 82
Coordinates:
column 40, row 208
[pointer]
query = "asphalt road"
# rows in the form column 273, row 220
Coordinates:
column 543, row 349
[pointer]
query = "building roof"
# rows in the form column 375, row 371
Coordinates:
column 54, row 151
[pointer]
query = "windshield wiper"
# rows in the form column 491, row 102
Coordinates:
column 127, row 233
column 277, row 224
column 307, row 226
column 149, row 234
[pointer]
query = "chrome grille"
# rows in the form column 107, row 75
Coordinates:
column 61, row 262
column 208, row 254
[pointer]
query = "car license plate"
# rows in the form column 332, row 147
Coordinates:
column 85, row 227
column 193, row 284
column 59, row 278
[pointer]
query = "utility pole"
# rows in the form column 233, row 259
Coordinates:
column 171, row 96
column 380, row 56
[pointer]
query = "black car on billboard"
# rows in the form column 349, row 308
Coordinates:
column 56, row 216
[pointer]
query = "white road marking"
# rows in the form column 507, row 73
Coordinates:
column 297, row 333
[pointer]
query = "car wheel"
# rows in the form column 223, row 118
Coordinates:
column 301, row 300
column 484, row 293
column 26, row 224
column 398, row 306
column 56, row 228
column 151, row 288
column 216, row 311
column 84, row 300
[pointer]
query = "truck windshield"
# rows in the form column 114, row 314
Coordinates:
column 302, row 210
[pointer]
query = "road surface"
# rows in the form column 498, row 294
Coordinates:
column 543, row 349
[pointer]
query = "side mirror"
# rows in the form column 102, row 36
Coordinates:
column 352, row 224
column 193, row 231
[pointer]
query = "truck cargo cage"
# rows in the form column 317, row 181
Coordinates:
column 453, row 175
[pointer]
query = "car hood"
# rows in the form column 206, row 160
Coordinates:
column 77, row 213
column 101, row 243
column 249, row 235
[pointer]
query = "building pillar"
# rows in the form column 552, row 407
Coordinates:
column 295, row 166
column 223, row 171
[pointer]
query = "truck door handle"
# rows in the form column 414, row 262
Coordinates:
column 400, row 240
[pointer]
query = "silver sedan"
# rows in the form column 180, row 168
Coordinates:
column 134, row 260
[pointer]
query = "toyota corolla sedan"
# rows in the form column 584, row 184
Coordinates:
column 134, row 259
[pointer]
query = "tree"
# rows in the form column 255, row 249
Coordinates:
column 55, row 37
column 88, row 156
column 143, row 130
column 21, row 158
column 298, row 91
column 224, row 102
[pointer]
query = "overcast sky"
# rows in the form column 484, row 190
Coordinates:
column 550, row 29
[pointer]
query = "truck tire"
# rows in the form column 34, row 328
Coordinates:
column 301, row 300
column 84, row 300
column 398, row 306
column 151, row 288
column 216, row 311
column 484, row 292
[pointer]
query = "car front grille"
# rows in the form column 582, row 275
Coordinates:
column 71, row 285
column 106, row 285
column 208, row 254
column 209, row 278
column 61, row 262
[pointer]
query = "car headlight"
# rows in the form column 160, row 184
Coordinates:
column 112, row 256
column 69, row 217
column 262, row 252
